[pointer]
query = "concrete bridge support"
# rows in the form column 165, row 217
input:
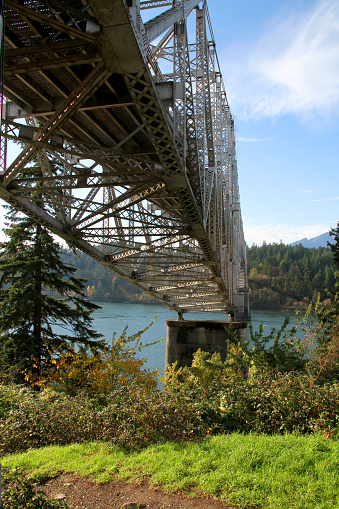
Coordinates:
column 184, row 337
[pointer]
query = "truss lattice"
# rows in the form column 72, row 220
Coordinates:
column 130, row 125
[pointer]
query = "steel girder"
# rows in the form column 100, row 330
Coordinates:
column 137, row 160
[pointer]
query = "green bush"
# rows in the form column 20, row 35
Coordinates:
column 196, row 402
column 282, row 402
column 19, row 493
column 265, row 401
column 132, row 417
column 44, row 418
column 137, row 418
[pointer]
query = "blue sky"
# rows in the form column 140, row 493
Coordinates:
column 280, row 64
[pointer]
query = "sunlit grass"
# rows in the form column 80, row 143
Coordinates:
column 271, row 472
column 98, row 460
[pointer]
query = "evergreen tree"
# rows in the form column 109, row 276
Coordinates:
column 335, row 247
column 293, row 274
column 43, row 310
column 329, row 315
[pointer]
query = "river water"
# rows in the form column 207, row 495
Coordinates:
column 114, row 317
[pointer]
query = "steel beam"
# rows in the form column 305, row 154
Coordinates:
column 137, row 165
column 158, row 25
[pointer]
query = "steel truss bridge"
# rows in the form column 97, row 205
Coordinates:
column 127, row 143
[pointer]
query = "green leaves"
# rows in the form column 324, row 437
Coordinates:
column 335, row 246
column 288, row 277
column 19, row 492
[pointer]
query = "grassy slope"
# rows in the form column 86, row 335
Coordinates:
column 272, row 472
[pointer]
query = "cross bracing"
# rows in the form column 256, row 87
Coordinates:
column 130, row 127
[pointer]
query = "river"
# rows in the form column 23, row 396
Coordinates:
column 114, row 317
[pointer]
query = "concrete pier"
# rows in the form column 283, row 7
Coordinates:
column 184, row 337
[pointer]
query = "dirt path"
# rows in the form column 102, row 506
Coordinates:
column 82, row 493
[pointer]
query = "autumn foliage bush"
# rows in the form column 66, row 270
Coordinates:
column 206, row 398
column 262, row 387
column 98, row 373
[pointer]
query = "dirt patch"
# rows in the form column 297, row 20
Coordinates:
column 82, row 493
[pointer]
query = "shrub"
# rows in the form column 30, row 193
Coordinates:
column 259, row 388
column 39, row 419
column 266, row 401
column 18, row 493
column 97, row 373
column 132, row 416
column 279, row 403
column 137, row 418
column 202, row 380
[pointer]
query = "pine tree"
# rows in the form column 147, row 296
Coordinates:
column 335, row 246
column 329, row 316
column 43, row 309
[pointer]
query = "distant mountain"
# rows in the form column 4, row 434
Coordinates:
column 320, row 241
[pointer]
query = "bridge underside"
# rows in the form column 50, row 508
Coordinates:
column 126, row 144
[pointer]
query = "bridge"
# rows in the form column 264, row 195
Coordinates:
column 129, row 126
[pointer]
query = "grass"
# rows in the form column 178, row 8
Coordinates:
column 268, row 472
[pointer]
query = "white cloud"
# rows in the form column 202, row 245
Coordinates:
column 274, row 233
column 292, row 69
column 252, row 140
column 325, row 199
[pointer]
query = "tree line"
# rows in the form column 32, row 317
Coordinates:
column 280, row 277
column 287, row 277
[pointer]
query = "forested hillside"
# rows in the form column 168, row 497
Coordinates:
column 280, row 277
column 103, row 285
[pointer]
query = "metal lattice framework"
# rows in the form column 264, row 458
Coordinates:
column 130, row 125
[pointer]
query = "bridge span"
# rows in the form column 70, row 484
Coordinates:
column 127, row 143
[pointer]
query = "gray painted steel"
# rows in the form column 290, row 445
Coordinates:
column 137, row 119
